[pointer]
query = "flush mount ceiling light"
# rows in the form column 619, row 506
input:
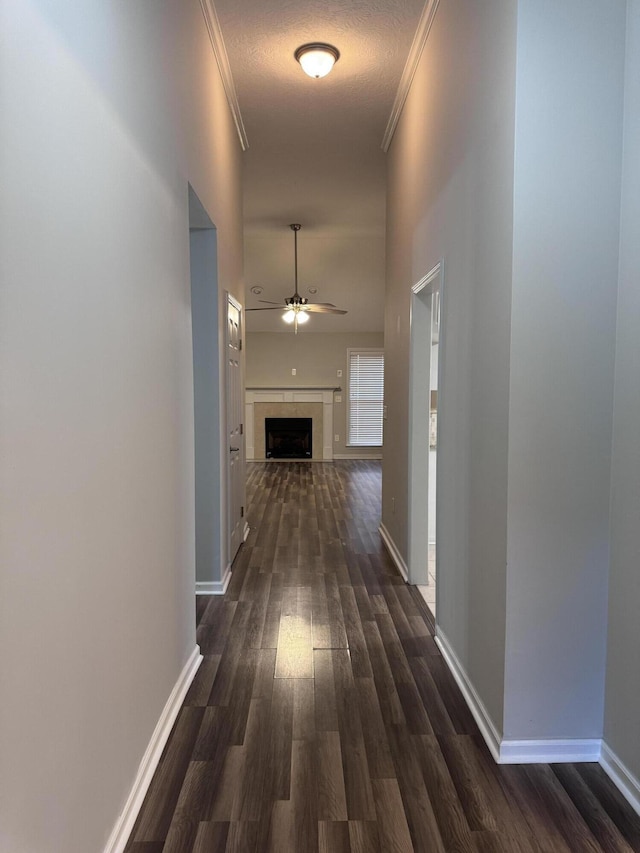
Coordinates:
column 317, row 59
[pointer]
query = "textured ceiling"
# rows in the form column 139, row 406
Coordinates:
column 315, row 152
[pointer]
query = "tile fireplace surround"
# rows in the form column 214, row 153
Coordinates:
column 315, row 403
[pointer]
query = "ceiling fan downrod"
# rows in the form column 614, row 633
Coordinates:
column 297, row 299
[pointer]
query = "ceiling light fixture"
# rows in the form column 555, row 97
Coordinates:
column 317, row 59
column 297, row 308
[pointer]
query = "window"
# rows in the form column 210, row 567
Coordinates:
column 366, row 397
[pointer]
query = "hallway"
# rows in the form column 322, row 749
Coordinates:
column 323, row 717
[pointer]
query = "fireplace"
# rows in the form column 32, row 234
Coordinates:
column 291, row 402
column 288, row 438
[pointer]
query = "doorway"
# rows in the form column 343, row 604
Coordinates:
column 210, row 533
column 425, row 397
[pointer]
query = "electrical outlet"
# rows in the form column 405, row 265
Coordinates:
column 338, row 398
column 293, row 371
column 336, row 437
column 339, row 373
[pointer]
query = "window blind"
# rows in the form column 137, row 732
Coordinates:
column 366, row 396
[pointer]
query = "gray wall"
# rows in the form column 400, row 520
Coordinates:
column 450, row 198
column 207, row 427
column 563, row 304
column 316, row 357
column 511, row 131
column 622, row 709
column 102, row 127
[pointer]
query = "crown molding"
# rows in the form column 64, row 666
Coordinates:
column 419, row 41
column 220, row 53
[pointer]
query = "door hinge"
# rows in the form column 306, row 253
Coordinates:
column 240, row 345
column 241, row 512
column 241, row 429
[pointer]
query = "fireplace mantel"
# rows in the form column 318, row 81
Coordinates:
column 291, row 394
column 280, row 388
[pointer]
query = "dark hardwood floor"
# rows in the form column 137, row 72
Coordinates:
column 323, row 717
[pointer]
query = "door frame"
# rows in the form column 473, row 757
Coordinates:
column 229, row 517
column 419, row 415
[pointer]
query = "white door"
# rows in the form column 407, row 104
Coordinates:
column 235, row 437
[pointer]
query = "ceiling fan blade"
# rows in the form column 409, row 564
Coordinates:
column 269, row 302
column 327, row 304
column 276, row 308
column 319, row 308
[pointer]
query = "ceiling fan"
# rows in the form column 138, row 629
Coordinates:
column 297, row 308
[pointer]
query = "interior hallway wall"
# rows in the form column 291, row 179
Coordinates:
column 510, row 131
column 622, row 708
column 108, row 112
column 569, row 94
column 450, row 198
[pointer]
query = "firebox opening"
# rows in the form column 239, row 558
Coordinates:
column 288, row 438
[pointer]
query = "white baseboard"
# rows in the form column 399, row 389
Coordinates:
column 621, row 776
column 476, row 706
column 332, row 458
column 551, row 751
column 121, row 831
column 394, row 553
column 374, row 456
column 214, row 587
column 246, row 532
column 286, row 460
column 506, row 751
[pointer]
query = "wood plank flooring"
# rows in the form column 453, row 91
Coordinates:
column 323, row 717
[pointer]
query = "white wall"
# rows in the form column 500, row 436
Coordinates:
column 108, row 111
column 565, row 250
column 450, row 198
column 316, row 357
column 506, row 166
column 622, row 708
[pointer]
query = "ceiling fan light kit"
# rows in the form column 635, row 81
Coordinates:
column 297, row 307
column 296, row 313
column 317, row 59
